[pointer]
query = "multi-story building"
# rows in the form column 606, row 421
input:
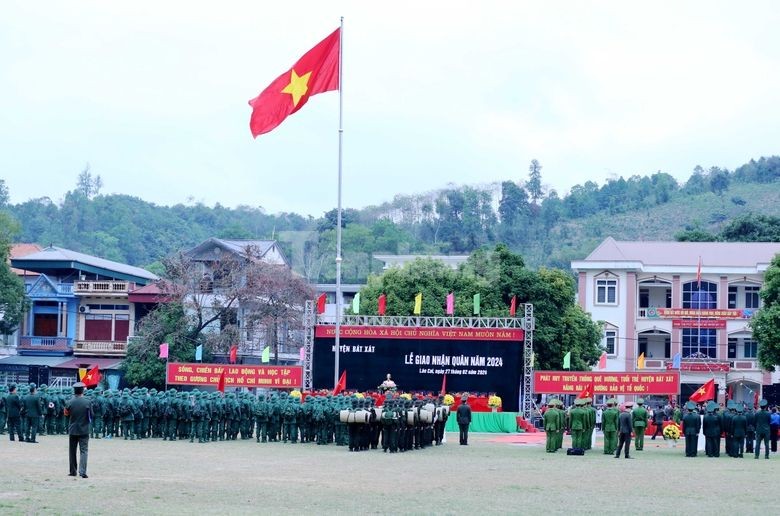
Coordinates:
column 690, row 300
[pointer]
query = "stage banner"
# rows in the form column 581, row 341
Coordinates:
column 606, row 383
column 269, row 377
column 476, row 360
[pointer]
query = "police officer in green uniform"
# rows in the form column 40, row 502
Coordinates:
column 551, row 426
column 691, row 427
column 762, row 429
column 609, row 424
column 31, row 404
column 639, row 417
column 577, row 423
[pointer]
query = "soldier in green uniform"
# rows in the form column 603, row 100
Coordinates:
column 3, row 410
column 126, row 413
column 738, row 431
column 677, row 415
column 609, row 424
column 762, row 429
column 590, row 423
column 577, row 423
column 711, row 430
column 727, row 424
column 13, row 406
column 639, row 417
column 551, row 426
column 750, row 434
column 31, row 405
column 691, row 427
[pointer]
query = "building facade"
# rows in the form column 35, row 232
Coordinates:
column 680, row 301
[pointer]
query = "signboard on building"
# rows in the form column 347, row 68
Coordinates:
column 702, row 367
column 475, row 360
column 606, row 383
column 717, row 324
column 693, row 313
column 236, row 375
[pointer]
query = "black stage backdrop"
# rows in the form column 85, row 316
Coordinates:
column 419, row 365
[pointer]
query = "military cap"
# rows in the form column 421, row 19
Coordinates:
column 740, row 408
column 763, row 403
column 711, row 406
column 690, row 405
column 640, row 401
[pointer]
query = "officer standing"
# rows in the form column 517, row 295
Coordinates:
column 14, row 410
column 691, row 427
column 464, row 420
column 78, row 410
column 32, row 411
column 577, row 423
column 624, row 428
column 711, row 429
column 738, row 431
column 551, row 422
column 610, row 426
column 639, row 419
column 762, row 429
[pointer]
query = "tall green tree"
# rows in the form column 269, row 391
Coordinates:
column 534, row 183
column 12, row 298
column 766, row 322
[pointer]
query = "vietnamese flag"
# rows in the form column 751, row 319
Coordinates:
column 316, row 72
column 513, row 306
column 221, row 382
column 92, row 378
column 233, row 353
column 704, row 393
column 382, row 304
column 321, row 304
column 341, row 384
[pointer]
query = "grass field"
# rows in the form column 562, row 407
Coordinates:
column 486, row 477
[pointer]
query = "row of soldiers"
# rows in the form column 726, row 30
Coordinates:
column 580, row 420
column 743, row 428
column 139, row 413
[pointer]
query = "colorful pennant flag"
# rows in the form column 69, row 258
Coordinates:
column 513, row 306
column 640, row 361
column 476, row 304
column 567, row 360
column 233, row 354
column 356, row 304
column 199, row 352
column 382, row 304
column 321, row 303
column 443, row 385
column 302, row 354
column 451, row 303
column 603, row 360
column 82, row 373
column 676, row 360
column 266, row 356
column 418, row 304
column 221, row 382
column 316, row 72
column 164, row 350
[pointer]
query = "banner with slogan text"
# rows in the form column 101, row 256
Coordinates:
column 417, row 332
column 268, row 377
column 695, row 313
column 607, row 383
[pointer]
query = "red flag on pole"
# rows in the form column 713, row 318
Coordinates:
column 698, row 274
column 342, row 383
column 603, row 361
column 92, row 378
column 704, row 393
column 382, row 304
column 321, row 304
column 755, row 399
column 233, row 354
column 444, row 384
column 316, row 72
column 513, row 306
column 221, row 382
column 587, row 392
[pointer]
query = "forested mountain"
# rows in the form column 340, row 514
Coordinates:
column 546, row 228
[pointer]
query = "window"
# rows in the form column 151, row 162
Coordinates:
column 751, row 297
column 732, row 348
column 699, row 343
column 750, row 348
column 606, row 291
column 703, row 296
column 732, row 297
column 610, row 342
column 644, row 298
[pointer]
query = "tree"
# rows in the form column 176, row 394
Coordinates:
column 766, row 321
column 12, row 296
column 752, row 228
column 513, row 204
column 719, row 181
column 88, row 185
column 534, row 183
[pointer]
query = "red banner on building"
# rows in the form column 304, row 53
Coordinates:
column 269, row 377
column 418, row 332
column 717, row 324
column 608, row 383
column 694, row 313
column 702, row 367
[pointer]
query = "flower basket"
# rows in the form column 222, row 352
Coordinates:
column 671, row 434
column 494, row 402
column 448, row 400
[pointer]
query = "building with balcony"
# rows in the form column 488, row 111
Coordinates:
column 690, row 300
column 78, row 304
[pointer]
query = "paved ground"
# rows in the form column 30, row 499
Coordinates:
column 495, row 474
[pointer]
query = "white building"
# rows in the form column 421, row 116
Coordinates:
column 650, row 301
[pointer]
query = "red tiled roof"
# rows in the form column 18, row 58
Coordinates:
column 19, row 250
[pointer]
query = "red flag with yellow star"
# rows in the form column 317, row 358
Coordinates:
column 316, row 72
column 704, row 393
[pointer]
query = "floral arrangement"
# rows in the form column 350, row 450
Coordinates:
column 672, row 432
column 406, row 396
column 449, row 399
column 295, row 394
column 360, row 395
column 387, row 385
column 494, row 401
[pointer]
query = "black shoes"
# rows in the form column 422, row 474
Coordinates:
column 71, row 474
column 84, row 476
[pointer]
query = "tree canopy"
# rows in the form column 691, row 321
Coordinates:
column 766, row 321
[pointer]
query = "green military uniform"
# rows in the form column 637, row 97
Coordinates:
column 609, row 425
column 762, row 429
column 31, row 405
column 712, row 431
column 639, row 417
column 691, row 427
column 739, row 431
column 577, row 424
column 590, row 423
column 551, row 426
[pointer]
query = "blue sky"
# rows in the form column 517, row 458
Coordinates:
column 153, row 95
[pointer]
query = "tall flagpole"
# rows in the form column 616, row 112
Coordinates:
column 338, row 208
